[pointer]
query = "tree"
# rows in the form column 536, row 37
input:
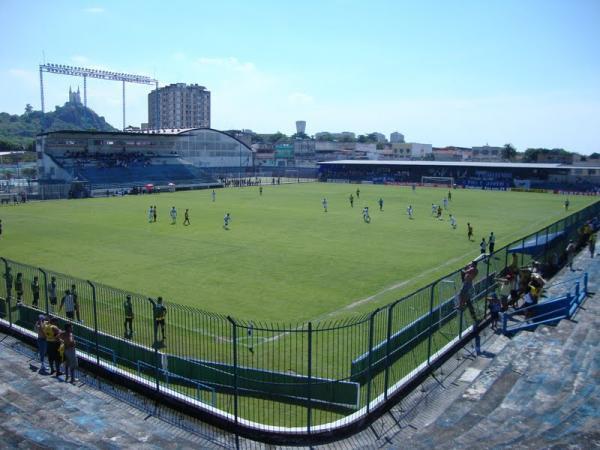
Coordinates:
column 509, row 152
column 28, row 109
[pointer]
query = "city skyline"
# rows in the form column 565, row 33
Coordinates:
column 448, row 74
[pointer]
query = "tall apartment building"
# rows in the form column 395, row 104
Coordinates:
column 179, row 106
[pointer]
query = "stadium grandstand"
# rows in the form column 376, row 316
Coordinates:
column 485, row 175
column 199, row 157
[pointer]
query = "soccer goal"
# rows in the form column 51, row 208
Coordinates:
column 437, row 181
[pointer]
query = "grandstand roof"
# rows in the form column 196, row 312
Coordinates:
column 149, row 132
column 359, row 162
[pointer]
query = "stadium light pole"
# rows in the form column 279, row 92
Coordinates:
column 240, row 168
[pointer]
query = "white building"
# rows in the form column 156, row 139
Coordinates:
column 179, row 107
column 411, row 150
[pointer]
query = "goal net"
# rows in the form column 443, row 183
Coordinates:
column 437, row 181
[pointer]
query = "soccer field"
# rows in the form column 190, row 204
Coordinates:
column 283, row 258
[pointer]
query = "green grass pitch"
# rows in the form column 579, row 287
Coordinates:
column 283, row 258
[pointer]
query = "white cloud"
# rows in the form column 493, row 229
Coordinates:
column 79, row 59
column 230, row 63
column 94, row 10
column 28, row 77
column 300, row 98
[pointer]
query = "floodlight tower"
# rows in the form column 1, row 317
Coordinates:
column 93, row 73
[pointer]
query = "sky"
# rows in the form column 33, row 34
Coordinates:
column 454, row 72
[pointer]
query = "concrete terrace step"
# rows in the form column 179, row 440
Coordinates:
column 540, row 391
column 39, row 411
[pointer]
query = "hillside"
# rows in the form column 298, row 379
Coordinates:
column 17, row 131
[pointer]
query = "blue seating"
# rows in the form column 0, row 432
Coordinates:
column 142, row 174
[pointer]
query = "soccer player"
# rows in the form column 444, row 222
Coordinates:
column 452, row 221
column 186, row 217
column 380, row 204
column 324, row 202
column 357, row 193
column 567, row 203
column 150, row 214
column 414, row 187
column 469, row 231
column 0, row 228
column 213, row 195
column 449, row 196
column 445, row 201
column 409, row 210
column 154, row 213
column 351, row 198
column 491, row 242
column 433, row 209
column 173, row 214
column 226, row 221
column 482, row 246
column 128, row 308
column 160, row 311
column 260, row 190
column 366, row 216
column 439, row 212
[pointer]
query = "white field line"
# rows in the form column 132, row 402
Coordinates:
column 395, row 286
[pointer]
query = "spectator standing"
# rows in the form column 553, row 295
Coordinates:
column 41, row 340
column 592, row 244
column 52, row 295
column 160, row 312
column 469, row 231
column 70, row 353
column 19, row 287
column 570, row 254
column 128, row 308
column 495, row 306
column 35, row 291
column 75, row 301
column 69, row 305
column 468, row 274
column 9, row 283
column 492, row 242
column 52, row 331
column 482, row 246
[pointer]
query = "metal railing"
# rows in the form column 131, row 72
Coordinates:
column 297, row 382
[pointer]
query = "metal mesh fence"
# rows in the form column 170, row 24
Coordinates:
column 298, row 378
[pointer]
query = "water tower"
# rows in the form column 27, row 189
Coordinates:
column 300, row 126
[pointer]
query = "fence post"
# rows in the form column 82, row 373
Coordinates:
column 95, row 321
column 45, row 289
column 155, row 345
column 431, row 299
column 235, row 370
column 309, row 409
column 370, row 381
column 387, row 350
column 8, row 284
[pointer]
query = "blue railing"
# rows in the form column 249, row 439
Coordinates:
column 550, row 311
